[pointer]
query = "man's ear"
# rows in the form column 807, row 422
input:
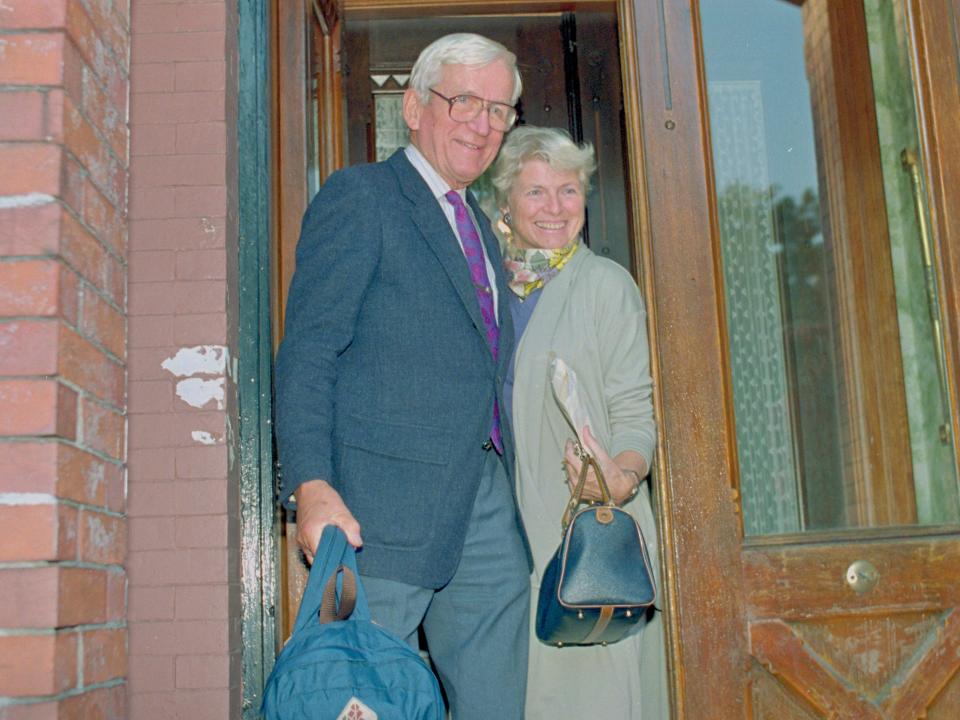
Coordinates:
column 412, row 108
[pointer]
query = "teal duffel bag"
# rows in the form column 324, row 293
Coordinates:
column 337, row 663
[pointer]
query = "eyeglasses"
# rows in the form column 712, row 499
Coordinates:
column 464, row 108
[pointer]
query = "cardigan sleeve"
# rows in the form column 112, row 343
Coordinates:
column 621, row 318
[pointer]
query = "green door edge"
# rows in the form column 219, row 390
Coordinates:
column 258, row 539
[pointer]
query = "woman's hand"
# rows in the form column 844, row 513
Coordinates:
column 622, row 474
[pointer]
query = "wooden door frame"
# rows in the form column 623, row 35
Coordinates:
column 670, row 170
column 697, row 452
column 291, row 197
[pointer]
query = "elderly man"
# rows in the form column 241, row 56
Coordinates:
column 389, row 383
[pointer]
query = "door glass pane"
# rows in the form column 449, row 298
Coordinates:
column 831, row 300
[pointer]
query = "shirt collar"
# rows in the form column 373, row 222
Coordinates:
column 438, row 186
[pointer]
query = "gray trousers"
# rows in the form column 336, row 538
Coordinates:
column 477, row 625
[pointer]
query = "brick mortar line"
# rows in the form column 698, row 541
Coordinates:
column 83, row 223
column 65, row 206
column 147, row 33
column 63, row 30
column 66, row 630
column 120, row 63
column 36, row 318
column 6, row 701
column 96, row 129
column 70, row 384
column 99, row 509
column 124, row 166
column 11, row 439
column 69, row 564
column 47, row 89
column 13, row 259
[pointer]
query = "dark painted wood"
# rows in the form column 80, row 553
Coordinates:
column 258, row 559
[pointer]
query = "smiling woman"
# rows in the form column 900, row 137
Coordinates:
column 567, row 301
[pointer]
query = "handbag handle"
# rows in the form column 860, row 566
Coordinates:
column 576, row 498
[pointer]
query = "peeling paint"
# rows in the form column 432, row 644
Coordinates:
column 94, row 477
column 99, row 536
column 197, row 360
column 27, row 200
column 204, row 438
column 231, row 445
column 198, row 392
column 27, row 499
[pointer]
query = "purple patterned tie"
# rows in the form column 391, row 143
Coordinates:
column 473, row 250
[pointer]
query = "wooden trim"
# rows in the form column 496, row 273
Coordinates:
column 254, row 368
column 838, row 535
column 926, row 679
column 935, row 35
column 786, row 655
column 879, row 476
column 641, row 254
column 291, row 104
column 695, row 455
column 329, row 101
column 400, row 8
column 923, row 570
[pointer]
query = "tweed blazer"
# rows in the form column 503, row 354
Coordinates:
column 384, row 380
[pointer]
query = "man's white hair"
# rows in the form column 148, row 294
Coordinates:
column 460, row 49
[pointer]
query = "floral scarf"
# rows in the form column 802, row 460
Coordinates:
column 530, row 270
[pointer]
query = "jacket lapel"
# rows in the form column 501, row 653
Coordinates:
column 437, row 233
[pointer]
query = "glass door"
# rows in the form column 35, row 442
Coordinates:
column 832, row 299
column 804, row 311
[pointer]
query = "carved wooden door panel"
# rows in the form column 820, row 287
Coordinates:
column 799, row 238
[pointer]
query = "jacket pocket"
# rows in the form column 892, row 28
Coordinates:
column 393, row 478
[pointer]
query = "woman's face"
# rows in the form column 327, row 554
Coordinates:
column 545, row 206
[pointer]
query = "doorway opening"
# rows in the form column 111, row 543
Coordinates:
column 349, row 112
column 570, row 64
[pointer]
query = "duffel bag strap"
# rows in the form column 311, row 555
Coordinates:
column 330, row 609
column 333, row 553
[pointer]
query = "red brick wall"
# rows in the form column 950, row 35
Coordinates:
column 183, row 558
column 63, row 236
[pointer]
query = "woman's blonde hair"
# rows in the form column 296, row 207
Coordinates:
column 551, row 145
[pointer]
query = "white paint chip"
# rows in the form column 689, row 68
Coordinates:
column 197, row 360
column 15, row 498
column 203, row 437
column 198, row 392
column 28, row 200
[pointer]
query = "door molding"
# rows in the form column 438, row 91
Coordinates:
column 253, row 374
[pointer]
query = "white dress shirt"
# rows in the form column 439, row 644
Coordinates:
column 439, row 188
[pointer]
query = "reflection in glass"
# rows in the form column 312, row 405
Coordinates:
column 391, row 131
column 838, row 405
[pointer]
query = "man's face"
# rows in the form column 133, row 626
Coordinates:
column 459, row 152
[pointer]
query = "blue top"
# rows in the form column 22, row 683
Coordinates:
column 521, row 311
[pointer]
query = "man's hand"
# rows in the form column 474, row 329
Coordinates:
column 319, row 505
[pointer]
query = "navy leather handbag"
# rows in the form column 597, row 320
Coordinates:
column 599, row 583
column 339, row 664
